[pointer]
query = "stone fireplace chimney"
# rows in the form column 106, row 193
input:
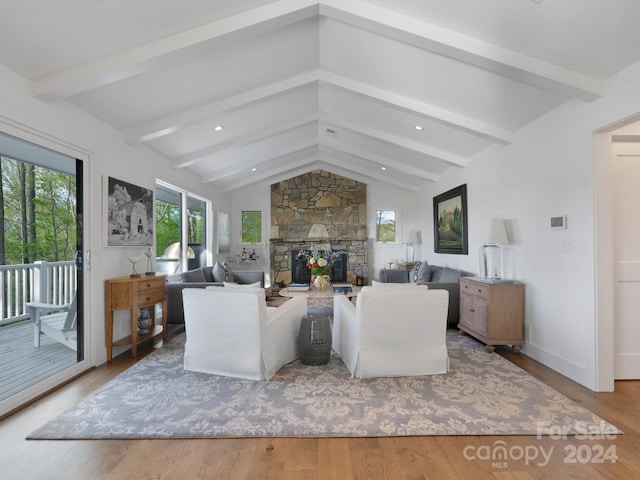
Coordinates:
column 318, row 206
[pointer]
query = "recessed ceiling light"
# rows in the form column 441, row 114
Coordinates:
column 383, row 168
column 254, row 169
column 218, row 128
column 418, row 127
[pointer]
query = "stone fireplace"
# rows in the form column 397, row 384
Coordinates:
column 317, row 208
column 301, row 274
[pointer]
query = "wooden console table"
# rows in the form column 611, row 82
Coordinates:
column 126, row 293
column 492, row 312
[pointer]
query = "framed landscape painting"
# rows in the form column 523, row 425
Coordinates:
column 450, row 221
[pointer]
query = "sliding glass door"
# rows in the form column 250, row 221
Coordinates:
column 41, row 268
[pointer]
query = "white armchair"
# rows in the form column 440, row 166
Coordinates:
column 231, row 332
column 392, row 332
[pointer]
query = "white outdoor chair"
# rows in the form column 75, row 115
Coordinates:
column 57, row 321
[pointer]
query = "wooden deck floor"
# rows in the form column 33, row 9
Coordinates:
column 23, row 365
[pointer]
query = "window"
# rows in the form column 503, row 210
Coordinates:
column 386, row 225
column 179, row 215
column 251, row 226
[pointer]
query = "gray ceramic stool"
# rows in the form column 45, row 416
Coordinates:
column 314, row 341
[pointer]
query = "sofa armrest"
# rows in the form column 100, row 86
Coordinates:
column 280, row 334
column 453, row 317
column 248, row 276
column 345, row 331
column 175, row 310
column 394, row 275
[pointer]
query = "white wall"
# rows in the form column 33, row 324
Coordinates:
column 62, row 125
column 381, row 254
column 547, row 171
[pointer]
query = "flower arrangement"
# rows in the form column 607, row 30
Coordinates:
column 320, row 259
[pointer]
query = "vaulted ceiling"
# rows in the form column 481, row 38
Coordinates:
column 299, row 85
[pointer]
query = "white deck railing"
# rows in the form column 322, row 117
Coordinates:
column 49, row 282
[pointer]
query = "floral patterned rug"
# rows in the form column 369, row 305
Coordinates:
column 483, row 394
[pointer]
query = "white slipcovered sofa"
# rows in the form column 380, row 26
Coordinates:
column 392, row 331
column 231, row 332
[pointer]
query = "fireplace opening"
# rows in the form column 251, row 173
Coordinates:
column 301, row 274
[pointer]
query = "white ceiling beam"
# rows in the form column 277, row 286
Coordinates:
column 275, row 174
column 247, row 184
column 244, row 166
column 119, row 66
column 467, row 49
column 168, row 125
column 172, row 123
column 270, row 131
column 395, row 140
column 370, row 177
column 463, row 48
column 440, row 115
column 378, row 161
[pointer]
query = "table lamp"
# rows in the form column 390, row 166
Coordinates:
column 411, row 245
column 490, row 252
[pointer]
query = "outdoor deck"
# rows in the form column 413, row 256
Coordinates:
column 22, row 364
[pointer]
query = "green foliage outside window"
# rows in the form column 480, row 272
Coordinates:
column 167, row 225
column 251, row 226
column 385, row 225
column 39, row 213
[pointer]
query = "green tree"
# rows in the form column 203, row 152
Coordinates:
column 167, row 225
column 38, row 206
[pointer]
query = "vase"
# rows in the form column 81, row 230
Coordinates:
column 321, row 281
column 145, row 320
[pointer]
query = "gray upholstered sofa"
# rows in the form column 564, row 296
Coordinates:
column 201, row 278
column 435, row 277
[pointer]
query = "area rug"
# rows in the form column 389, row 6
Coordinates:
column 483, row 394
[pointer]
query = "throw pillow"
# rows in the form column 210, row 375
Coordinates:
column 228, row 275
column 208, row 273
column 436, row 273
column 414, row 272
column 242, row 285
column 450, row 275
column 424, row 273
column 193, row 276
column 218, row 272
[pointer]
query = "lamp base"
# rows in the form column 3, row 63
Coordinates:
column 490, row 254
column 411, row 252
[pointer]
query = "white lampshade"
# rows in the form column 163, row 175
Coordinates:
column 496, row 232
column 413, row 237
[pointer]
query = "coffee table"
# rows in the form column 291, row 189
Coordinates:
column 313, row 293
column 319, row 302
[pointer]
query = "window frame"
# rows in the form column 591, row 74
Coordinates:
column 398, row 225
column 185, row 195
column 239, row 215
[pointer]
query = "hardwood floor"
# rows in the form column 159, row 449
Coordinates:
column 459, row 457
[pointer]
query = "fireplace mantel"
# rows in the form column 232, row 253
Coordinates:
column 280, row 251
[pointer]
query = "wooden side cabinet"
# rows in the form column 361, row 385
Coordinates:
column 126, row 293
column 492, row 312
